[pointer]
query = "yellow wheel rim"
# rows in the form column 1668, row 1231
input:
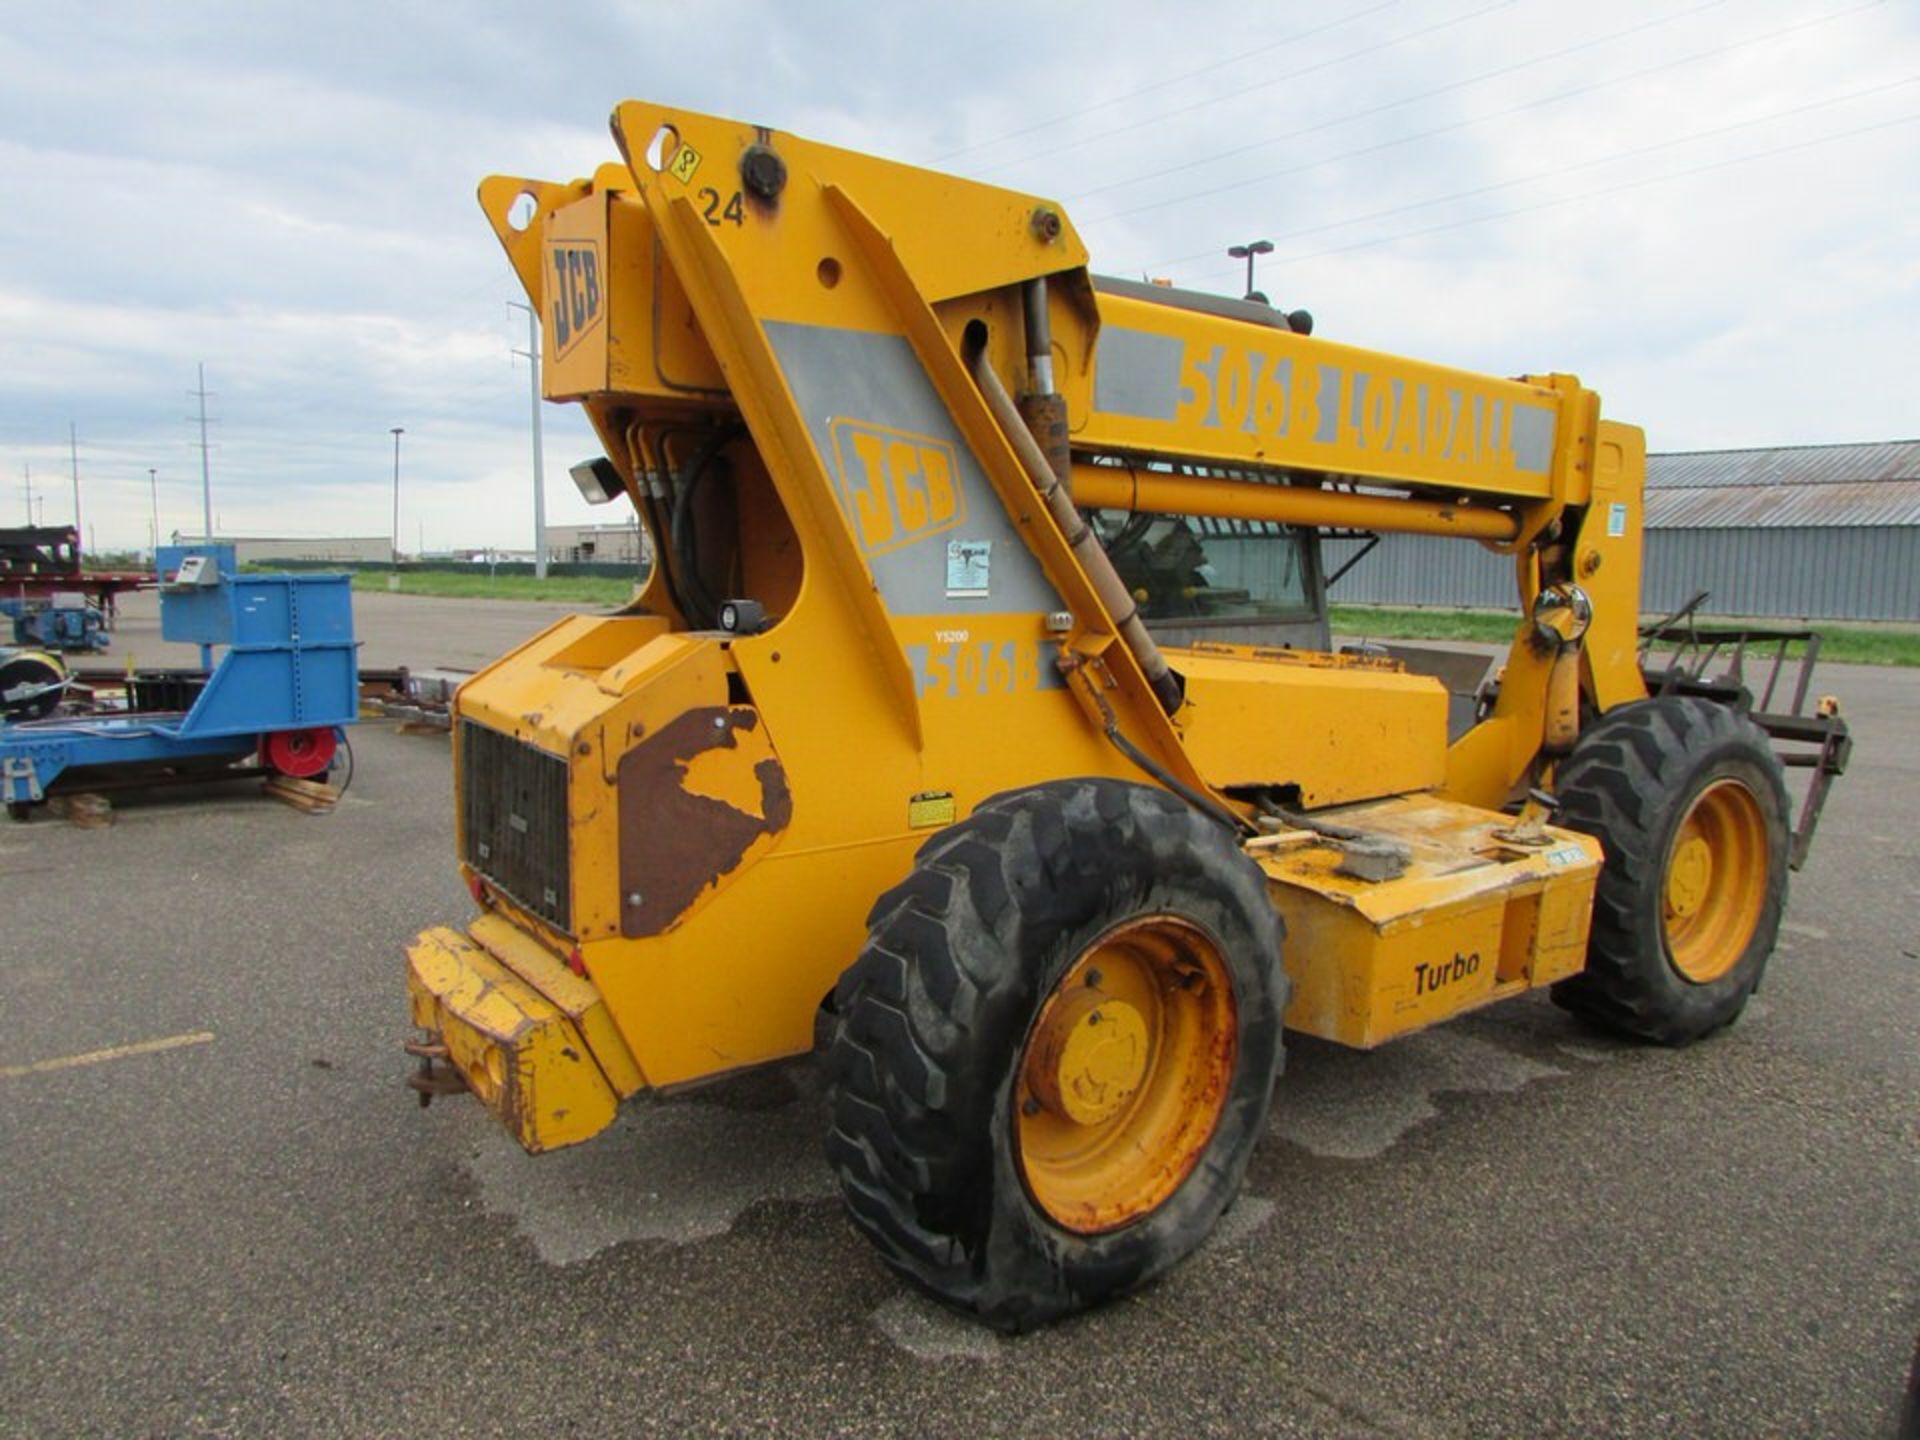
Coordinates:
column 1125, row 1074
column 1716, row 881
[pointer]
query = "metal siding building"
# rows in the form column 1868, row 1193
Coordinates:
column 1815, row 531
column 598, row 544
column 265, row 549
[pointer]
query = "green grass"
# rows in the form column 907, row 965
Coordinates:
column 1843, row 644
column 1858, row 645
column 1384, row 623
column 566, row 589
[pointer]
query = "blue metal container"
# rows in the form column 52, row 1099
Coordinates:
column 288, row 677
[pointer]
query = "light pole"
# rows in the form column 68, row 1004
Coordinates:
column 153, row 486
column 1246, row 252
column 398, row 431
column 73, row 442
column 532, row 352
column 206, row 465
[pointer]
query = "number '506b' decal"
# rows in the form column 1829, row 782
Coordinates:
column 982, row 667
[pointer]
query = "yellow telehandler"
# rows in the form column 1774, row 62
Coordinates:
column 978, row 720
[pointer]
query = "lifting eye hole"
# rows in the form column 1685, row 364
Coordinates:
column 520, row 214
column 829, row 272
column 660, row 149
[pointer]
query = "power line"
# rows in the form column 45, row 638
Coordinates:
column 1381, row 109
column 1266, row 84
column 1606, row 190
column 1472, row 121
column 1185, row 75
column 1606, row 160
column 1568, row 169
column 461, row 303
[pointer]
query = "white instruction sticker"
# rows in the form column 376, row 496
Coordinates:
column 1616, row 520
column 969, row 568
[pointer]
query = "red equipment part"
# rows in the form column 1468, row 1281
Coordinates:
column 301, row 753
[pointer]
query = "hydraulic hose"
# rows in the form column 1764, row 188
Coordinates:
column 696, row 603
column 1107, row 583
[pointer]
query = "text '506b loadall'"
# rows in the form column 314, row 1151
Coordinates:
column 979, row 704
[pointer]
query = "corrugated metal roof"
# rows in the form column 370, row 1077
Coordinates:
column 1787, row 465
column 1783, row 507
column 1789, row 487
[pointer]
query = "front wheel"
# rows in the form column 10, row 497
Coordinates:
column 1054, row 1056
column 1687, row 798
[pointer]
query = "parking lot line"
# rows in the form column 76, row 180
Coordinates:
column 112, row 1052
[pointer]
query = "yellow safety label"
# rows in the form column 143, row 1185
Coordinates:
column 685, row 161
column 925, row 811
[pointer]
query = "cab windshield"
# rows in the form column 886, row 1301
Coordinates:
column 1198, row 568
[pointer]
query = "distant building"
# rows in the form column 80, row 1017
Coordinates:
column 1802, row 531
column 264, row 549
column 486, row 555
column 598, row 544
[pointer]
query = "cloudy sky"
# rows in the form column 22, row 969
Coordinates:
column 1705, row 208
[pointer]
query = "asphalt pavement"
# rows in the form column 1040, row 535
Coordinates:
column 235, row 1221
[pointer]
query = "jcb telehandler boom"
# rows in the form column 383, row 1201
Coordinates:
column 1002, row 733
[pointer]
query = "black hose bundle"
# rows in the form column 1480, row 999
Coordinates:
column 690, row 591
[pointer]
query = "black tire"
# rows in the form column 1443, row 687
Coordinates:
column 1631, row 782
column 935, row 1016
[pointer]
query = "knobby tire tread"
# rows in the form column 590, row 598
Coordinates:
column 1626, row 783
column 943, row 973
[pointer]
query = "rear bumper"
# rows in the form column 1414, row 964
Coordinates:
column 528, row 1036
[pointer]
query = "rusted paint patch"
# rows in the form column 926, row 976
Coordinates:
column 678, row 834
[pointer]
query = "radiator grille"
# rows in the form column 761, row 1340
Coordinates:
column 514, row 818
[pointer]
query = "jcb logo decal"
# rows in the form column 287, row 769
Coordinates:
column 895, row 488
column 573, row 290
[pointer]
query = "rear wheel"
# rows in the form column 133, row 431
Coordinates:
column 300, row 753
column 1054, row 1056
column 32, row 684
column 1687, row 798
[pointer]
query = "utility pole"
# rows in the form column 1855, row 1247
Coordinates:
column 73, row 448
column 532, row 352
column 398, row 431
column 153, row 487
column 206, row 474
column 26, row 479
column 1246, row 252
